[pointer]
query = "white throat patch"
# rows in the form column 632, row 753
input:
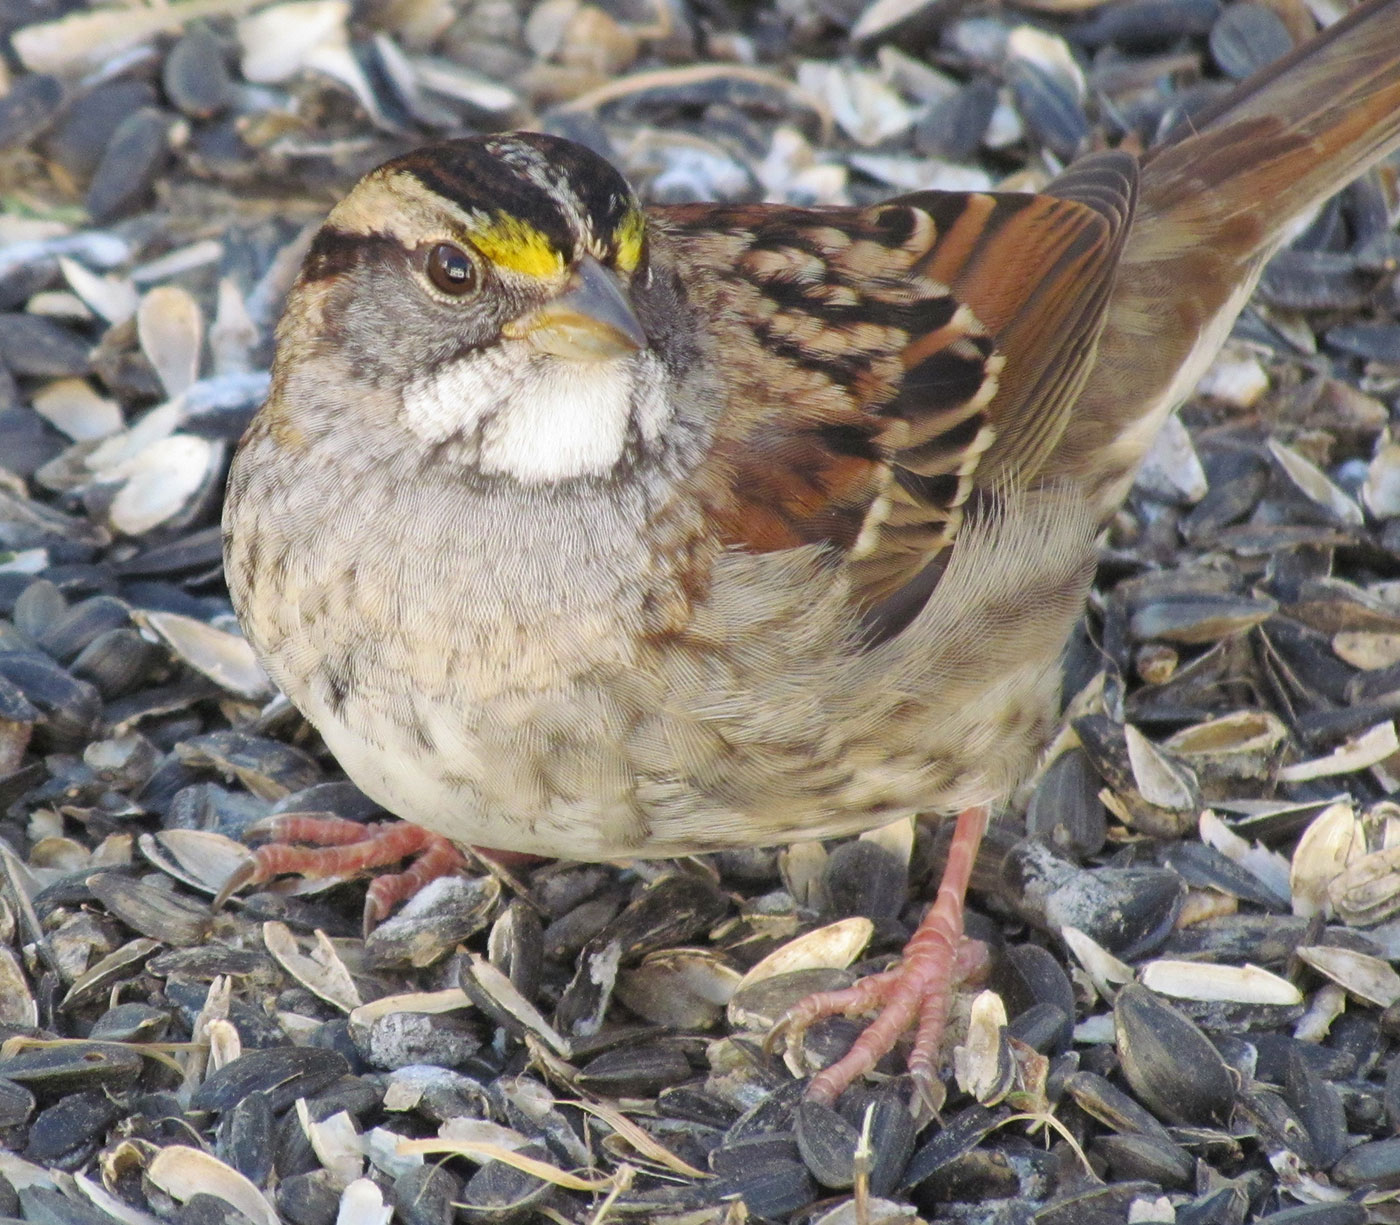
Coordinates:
column 544, row 419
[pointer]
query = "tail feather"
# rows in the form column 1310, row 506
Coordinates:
column 1212, row 208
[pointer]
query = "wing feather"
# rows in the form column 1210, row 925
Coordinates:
column 924, row 348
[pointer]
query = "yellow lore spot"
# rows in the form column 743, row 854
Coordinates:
column 628, row 237
column 511, row 243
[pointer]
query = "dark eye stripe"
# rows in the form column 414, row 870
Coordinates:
column 334, row 252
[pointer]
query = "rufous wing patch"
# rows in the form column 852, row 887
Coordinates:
column 889, row 361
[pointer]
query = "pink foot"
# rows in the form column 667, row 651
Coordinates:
column 338, row 847
column 917, row 992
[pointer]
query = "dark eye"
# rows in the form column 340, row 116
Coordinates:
column 451, row 270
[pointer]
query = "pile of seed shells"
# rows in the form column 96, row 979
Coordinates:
column 1192, row 1006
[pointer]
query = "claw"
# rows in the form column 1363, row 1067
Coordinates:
column 245, row 874
column 779, row 1032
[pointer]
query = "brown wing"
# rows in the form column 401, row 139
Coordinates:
column 928, row 346
column 1038, row 272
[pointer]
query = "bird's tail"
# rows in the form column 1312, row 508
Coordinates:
column 1213, row 206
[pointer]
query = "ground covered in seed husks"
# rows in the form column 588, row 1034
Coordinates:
column 1193, row 1008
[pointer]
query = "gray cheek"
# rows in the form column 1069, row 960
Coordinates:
column 668, row 317
column 388, row 332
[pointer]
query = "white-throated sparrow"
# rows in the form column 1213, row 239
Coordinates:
column 597, row 531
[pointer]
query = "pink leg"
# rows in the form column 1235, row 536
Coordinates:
column 918, row 990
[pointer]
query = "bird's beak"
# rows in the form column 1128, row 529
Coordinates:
column 590, row 321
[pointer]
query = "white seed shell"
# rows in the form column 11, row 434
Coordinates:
column 1195, row 980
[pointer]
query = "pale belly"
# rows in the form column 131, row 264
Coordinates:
column 480, row 792
column 535, row 710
